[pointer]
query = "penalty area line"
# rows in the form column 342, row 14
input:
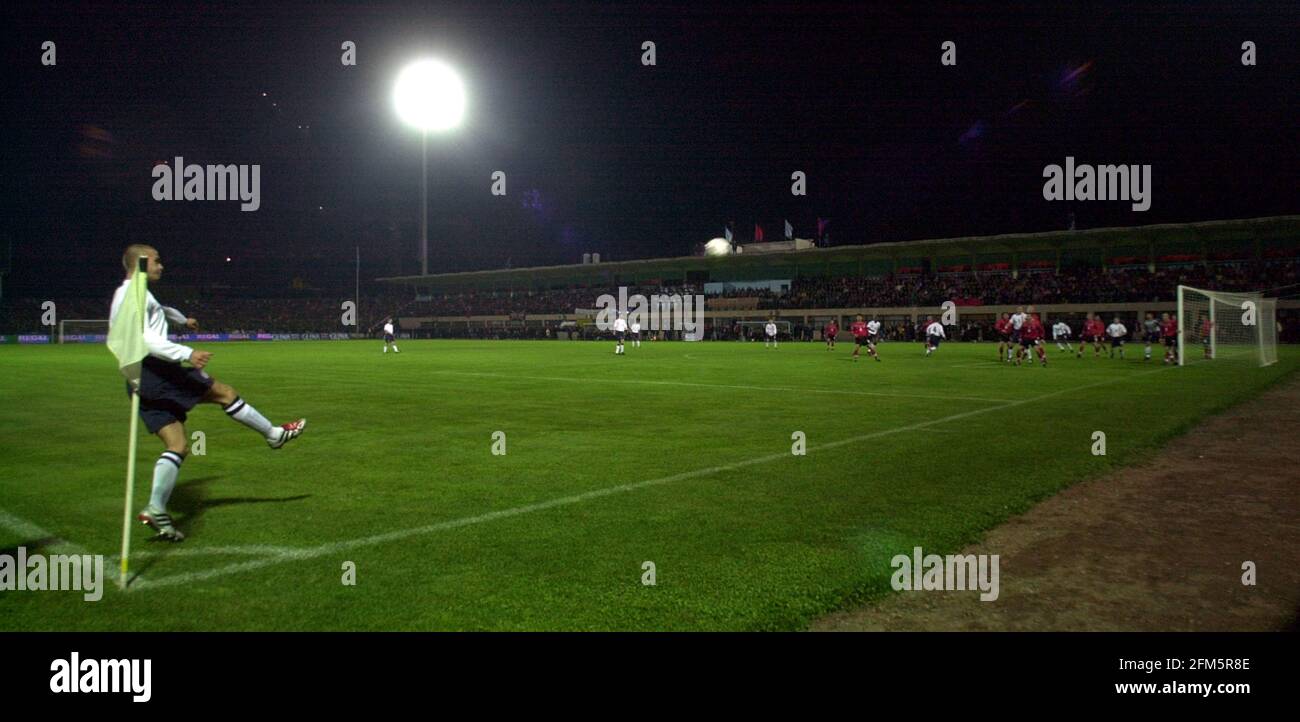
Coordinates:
column 332, row 548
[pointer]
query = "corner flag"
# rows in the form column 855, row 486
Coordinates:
column 126, row 329
column 126, row 341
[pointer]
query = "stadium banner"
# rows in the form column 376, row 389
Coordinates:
column 33, row 338
column 777, row 286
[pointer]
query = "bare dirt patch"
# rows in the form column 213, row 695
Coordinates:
column 1156, row 546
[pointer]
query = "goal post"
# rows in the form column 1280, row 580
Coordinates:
column 83, row 330
column 1218, row 325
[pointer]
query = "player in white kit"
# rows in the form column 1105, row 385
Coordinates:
column 769, row 334
column 1117, row 332
column 389, row 339
column 1061, row 335
column 1017, row 321
column 620, row 330
column 934, row 333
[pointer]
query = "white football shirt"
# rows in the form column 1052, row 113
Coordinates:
column 155, row 326
column 1117, row 330
column 873, row 327
column 771, row 329
column 388, row 329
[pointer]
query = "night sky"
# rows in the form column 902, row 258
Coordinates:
column 604, row 154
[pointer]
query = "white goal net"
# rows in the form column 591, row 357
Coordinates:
column 82, row 330
column 1214, row 325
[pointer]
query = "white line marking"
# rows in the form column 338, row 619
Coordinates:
column 176, row 550
column 32, row 532
column 649, row 382
column 342, row 546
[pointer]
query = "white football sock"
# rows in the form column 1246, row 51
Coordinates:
column 244, row 413
column 165, row 472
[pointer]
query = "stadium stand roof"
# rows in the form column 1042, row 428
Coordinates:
column 1200, row 235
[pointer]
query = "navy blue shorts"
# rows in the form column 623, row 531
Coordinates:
column 1116, row 342
column 1153, row 337
column 388, row 338
column 167, row 391
column 934, row 340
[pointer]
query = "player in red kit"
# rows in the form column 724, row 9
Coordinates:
column 1003, row 327
column 830, row 332
column 1169, row 333
column 1207, row 333
column 1031, row 336
column 861, row 337
column 1093, row 331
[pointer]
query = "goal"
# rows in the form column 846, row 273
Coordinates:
column 1217, row 325
column 83, row 330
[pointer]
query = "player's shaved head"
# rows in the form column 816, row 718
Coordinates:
column 134, row 253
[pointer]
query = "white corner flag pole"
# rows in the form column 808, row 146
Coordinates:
column 130, row 484
column 141, row 275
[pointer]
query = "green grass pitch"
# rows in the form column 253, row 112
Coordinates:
column 677, row 454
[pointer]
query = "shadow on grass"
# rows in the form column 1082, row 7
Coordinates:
column 190, row 501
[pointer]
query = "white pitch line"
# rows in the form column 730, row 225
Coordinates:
column 338, row 547
column 252, row 550
column 32, row 532
column 650, row 382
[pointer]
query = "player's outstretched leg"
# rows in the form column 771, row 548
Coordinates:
column 243, row 412
column 165, row 472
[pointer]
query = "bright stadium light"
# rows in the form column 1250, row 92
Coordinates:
column 717, row 247
column 428, row 96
